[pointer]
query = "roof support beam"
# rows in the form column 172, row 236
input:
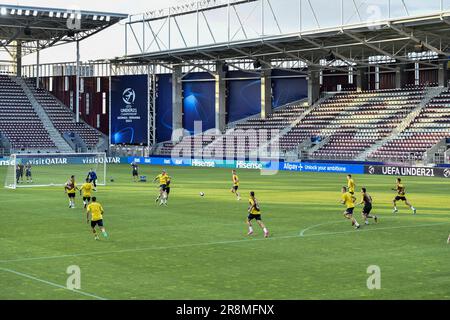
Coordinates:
column 410, row 35
column 201, row 67
column 308, row 62
column 346, row 60
column 381, row 51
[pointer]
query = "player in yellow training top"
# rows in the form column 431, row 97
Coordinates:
column 70, row 188
column 162, row 178
column 349, row 202
column 255, row 213
column 86, row 192
column 96, row 211
column 351, row 185
column 401, row 196
column 235, row 187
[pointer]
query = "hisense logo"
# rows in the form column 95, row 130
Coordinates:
column 5, row 162
column 201, row 163
column 248, row 165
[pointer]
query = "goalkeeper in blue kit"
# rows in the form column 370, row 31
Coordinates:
column 92, row 176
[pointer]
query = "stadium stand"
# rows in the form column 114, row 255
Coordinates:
column 62, row 117
column 19, row 122
column 239, row 138
column 25, row 129
column 354, row 121
column 430, row 126
column 348, row 123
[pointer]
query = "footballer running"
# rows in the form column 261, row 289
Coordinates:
column 162, row 178
column 86, row 192
column 95, row 210
column 70, row 189
column 367, row 201
column 235, row 187
column 349, row 202
column 350, row 184
column 254, row 212
column 401, row 196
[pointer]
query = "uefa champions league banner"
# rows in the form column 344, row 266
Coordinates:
column 129, row 109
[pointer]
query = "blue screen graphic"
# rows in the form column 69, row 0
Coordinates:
column 198, row 101
column 164, row 108
column 288, row 89
column 129, row 109
column 244, row 96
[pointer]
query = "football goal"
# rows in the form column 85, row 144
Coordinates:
column 45, row 169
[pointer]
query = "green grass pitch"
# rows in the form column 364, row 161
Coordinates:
column 197, row 248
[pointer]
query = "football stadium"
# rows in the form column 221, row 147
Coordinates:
column 259, row 150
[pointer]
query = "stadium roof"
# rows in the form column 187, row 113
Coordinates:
column 354, row 43
column 50, row 26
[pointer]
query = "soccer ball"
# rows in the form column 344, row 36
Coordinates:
column 202, row 194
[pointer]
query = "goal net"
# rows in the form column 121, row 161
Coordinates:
column 41, row 170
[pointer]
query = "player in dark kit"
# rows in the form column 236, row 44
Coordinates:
column 367, row 201
column 169, row 180
column 19, row 173
column 28, row 173
column 135, row 172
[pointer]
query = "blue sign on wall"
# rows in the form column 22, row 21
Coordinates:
column 256, row 165
column 199, row 101
column 164, row 107
column 287, row 89
column 244, row 96
column 129, row 109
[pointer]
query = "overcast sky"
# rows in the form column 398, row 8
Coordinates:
column 111, row 42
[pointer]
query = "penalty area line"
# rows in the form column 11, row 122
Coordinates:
column 24, row 275
column 302, row 233
column 299, row 236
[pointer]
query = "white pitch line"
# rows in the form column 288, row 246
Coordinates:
column 216, row 243
column 367, row 230
column 51, row 283
column 302, row 233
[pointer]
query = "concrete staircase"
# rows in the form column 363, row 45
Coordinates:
column 430, row 94
column 54, row 134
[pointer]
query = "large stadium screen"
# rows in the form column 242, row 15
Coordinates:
column 129, row 109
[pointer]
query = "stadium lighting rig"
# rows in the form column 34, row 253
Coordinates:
column 192, row 7
column 54, row 13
